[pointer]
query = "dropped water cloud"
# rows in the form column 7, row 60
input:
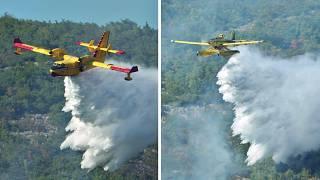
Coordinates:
column 276, row 103
column 194, row 143
column 112, row 120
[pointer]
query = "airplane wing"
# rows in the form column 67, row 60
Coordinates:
column 19, row 45
column 56, row 53
column 242, row 42
column 192, row 43
column 128, row 71
column 93, row 48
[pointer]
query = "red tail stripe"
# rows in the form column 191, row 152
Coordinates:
column 23, row 46
column 120, row 69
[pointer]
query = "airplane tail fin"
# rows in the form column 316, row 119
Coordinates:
column 102, row 48
column 233, row 35
column 16, row 43
column 103, row 43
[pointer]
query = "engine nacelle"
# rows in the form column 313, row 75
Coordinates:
column 57, row 53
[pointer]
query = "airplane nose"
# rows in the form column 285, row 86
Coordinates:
column 52, row 73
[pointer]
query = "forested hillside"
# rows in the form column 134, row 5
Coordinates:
column 288, row 28
column 32, row 123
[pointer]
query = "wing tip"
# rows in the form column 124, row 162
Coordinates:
column 134, row 69
column 17, row 40
column 120, row 52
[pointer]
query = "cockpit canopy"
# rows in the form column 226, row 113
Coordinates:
column 220, row 36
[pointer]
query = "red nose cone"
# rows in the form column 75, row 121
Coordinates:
column 120, row 52
column 78, row 43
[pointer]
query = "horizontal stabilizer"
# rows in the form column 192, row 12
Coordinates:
column 93, row 48
column 116, row 51
column 243, row 42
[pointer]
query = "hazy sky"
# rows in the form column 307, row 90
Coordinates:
column 97, row 11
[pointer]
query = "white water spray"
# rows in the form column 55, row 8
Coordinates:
column 112, row 120
column 276, row 103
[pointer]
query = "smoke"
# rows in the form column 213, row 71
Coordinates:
column 276, row 103
column 194, row 145
column 112, row 120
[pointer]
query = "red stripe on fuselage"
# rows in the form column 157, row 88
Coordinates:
column 23, row 46
column 120, row 69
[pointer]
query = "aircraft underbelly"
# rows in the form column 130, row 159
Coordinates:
column 65, row 72
column 229, row 53
column 208, row 52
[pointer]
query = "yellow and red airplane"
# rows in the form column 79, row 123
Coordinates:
column 219, row 45
column 68, row 65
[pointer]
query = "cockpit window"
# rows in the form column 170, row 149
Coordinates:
column 57, row 66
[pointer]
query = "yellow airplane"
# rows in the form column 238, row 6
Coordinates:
column 67, row 65
column 219, row 45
